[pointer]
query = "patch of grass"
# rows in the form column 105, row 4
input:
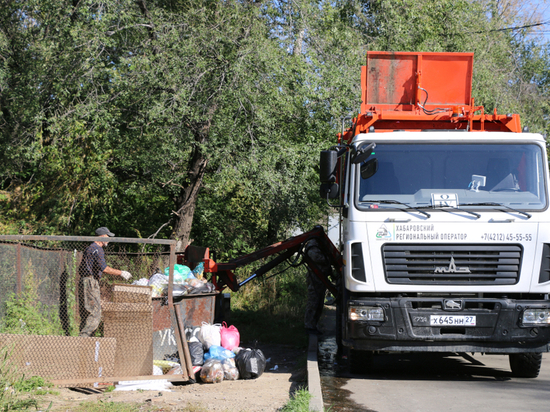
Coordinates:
column 194, row 407
column 33, row 384
column 24, row 314
column 16, row 392
column 103, row 406
column 299, row 402
column 109, row 388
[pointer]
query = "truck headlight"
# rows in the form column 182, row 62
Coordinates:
column 536, row 317
column 375, row 313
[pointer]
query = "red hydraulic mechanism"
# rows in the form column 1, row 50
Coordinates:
column 223, row 276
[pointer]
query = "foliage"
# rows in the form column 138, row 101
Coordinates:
column 109, row 406
column 271, row 310
column 69, row 293
column 299, row 402
column 198, row 119
column 26, row 315
column 139, row 106
column 18, row 392
column 34, row 384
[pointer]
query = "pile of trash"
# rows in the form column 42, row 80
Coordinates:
column 216, row 355
column 186, row 281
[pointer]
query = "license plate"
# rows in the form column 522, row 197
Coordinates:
column 452, row 320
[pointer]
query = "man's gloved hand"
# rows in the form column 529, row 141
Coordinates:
column 126, row 275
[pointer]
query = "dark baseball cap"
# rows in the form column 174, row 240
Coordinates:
column 104, row 231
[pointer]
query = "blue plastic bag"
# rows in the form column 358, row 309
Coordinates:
column 198, row 271
column 219, row 353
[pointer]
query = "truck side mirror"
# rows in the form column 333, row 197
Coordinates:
column 327, row 166
column 369, row 168
column 329, row 190
column 327, row 174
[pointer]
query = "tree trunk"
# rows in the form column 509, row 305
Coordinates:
column 187, row 200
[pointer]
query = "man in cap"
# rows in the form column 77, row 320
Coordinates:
column 91, row 269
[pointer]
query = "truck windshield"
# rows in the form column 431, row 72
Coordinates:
column 455, row 175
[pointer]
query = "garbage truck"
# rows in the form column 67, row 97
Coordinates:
column 445, row 226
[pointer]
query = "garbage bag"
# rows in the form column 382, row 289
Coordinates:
column 212, row 371
column 192, row 333
column 230, row 371
column 251, row 363
column 165, row 365
column 218, row 352
column 181, row 272
column 158, row 283
column 180, row 289
column 197, row 353
column 210, row 334
column 230, row 336
column 141, row 282
column 194, row 282
column 199, row 270
column 176, row 370
column 202, row 288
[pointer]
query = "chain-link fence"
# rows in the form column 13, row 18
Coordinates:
column 69, row 315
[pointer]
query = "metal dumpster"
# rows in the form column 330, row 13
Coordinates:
column 195, row 309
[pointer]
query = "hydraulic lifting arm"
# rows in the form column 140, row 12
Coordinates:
column 223, row 276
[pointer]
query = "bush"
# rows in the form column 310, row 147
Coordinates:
column 272, row 309
column 25, row 315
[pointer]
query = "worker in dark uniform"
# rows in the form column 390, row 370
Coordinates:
column 91, row 269
column 316, row 289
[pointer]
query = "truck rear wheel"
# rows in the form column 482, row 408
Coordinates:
column 525, row 365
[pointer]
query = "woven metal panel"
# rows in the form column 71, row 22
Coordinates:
column 42, row 303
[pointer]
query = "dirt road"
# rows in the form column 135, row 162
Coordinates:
column 285, row 373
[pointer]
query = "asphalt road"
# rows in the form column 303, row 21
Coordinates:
column 429, row 383
column 436, row 383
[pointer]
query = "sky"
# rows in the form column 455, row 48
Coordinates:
column 539, row 10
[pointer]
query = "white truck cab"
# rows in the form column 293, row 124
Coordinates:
column 445, row 220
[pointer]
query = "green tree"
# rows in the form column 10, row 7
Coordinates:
column 159, row 118
column 127, row 106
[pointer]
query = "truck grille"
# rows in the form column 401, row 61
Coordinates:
column 425, row 264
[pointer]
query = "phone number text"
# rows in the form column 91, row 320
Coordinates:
column 510, row 237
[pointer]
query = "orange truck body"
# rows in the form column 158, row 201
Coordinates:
column 416, row 91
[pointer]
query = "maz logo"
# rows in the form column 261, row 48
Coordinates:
column 453, row 304
column 452, row 268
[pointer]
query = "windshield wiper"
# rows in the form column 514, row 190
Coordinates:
column 397, row 202
column 521, row 212
column 477, row 215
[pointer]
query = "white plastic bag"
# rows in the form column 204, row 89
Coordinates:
column 158, row 282
column 210, row 334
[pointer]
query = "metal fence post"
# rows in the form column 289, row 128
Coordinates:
column 19, row 287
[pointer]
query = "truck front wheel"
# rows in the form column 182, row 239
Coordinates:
column 525, row 365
